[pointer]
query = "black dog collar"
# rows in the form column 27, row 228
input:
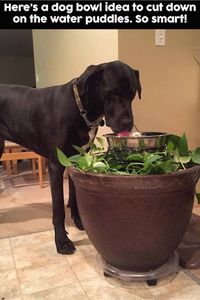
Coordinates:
column 83, row 112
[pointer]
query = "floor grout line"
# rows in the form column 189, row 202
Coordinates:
column 192, row 276
column 84, row 289
column 18, row 279
column 66, row 263
column 53, row 288
column 78, row 281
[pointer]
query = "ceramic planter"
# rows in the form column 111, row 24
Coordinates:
column 135, row 222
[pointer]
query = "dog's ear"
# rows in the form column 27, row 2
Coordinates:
column 138, row 85
column 87, row 76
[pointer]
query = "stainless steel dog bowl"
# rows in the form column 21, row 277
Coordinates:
column 147, row 141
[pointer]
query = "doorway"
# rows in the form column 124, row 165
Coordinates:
column 17, row 57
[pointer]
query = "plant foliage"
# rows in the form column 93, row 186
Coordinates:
column 174, row 157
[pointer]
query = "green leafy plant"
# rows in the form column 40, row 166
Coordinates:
column 176, row 156
column 91, row 161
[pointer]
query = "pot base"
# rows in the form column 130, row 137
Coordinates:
column 189, row 248
column 151, row 277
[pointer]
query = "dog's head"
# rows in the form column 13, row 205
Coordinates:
column 109, row 89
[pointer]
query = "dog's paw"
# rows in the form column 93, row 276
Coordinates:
column 78, row 223
column 65, row 246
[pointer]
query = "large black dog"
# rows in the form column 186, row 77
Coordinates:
column 66, row 115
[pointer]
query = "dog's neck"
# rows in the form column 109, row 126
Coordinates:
column 83, row 112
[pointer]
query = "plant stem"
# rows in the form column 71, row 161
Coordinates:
column 183, row 166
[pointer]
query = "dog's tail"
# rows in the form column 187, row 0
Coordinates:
column 139, row 88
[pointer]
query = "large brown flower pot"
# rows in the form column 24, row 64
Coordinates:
column 135, row 222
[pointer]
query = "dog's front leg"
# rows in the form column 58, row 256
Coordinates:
column 63, row 244
column 72, row 204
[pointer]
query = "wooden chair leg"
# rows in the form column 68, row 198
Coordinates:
column 14, row 162
column 11, row 155
column 33, row 167
column 40, row 171
column 8, row 164
column 14, row 166
column 8, row 168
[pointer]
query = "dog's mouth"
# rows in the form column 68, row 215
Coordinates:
column 123, row 130
column 119, row 122
column 120, row 125
column 120, row 128
column 123, row 133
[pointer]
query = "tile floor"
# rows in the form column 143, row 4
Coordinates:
column 30, row 268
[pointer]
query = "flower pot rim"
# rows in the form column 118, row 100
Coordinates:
column 108, row 175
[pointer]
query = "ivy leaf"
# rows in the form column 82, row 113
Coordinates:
column 79, row 149
column 115, row 166
column 173, row 141
column 135, row 157
column 62, row 158
column 85, row 162
column 93, row 147
column 150, row 159
column 167, row 166
column 100, row 140
column 74, row 158
column 170, row 147
column 133, row 172
column 183, row 146
column 196, row 156
column 184, row 159
column 181, row 159
column 100, row 166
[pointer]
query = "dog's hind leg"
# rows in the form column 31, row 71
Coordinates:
column 1, row 146
column 1, row 151
column 72, row 204
column 63, row 244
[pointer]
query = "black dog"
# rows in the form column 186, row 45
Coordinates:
column 66, row 115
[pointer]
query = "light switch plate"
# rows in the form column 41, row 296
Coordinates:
column 160, row 37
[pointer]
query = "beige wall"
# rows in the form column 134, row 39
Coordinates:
column 170, row 75
column 170, row 79
column 61, row 55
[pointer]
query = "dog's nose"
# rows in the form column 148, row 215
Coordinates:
column 121, row 123
column 126, row 124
